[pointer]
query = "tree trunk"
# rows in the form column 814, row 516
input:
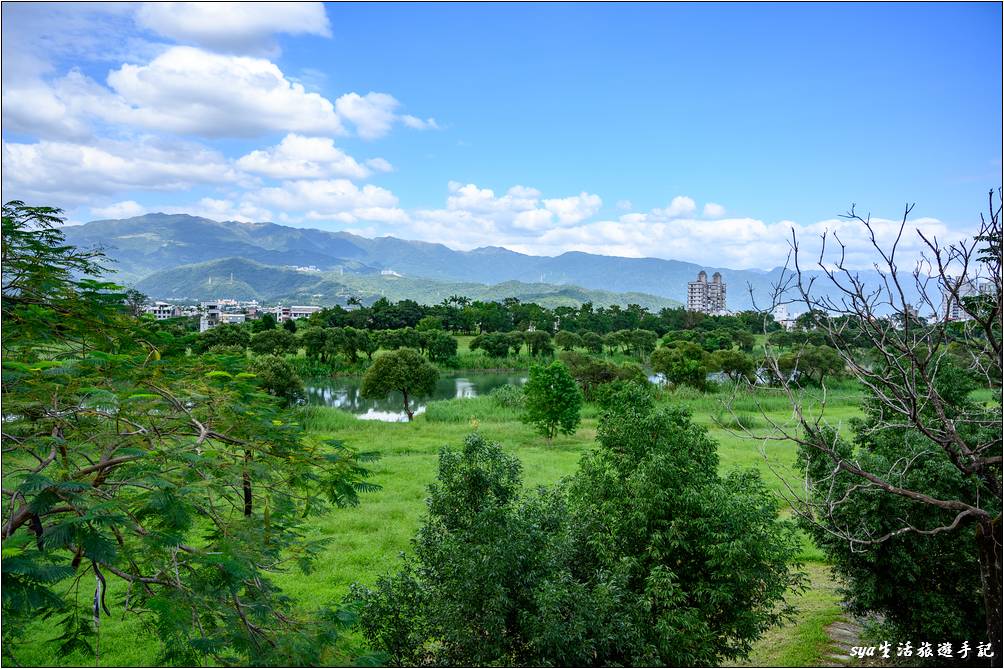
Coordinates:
column 246, row 484
column 407, row 407
column 988, row 539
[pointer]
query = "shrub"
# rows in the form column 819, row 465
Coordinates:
column 553, row 400
column 508, row 396
column 277, row 377
column 645, row 557
column 273, row 342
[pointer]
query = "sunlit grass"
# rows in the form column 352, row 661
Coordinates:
column 365, row 541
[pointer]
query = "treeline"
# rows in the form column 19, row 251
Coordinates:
column 460, row 315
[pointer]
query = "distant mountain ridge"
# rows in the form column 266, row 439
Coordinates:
column 145, row 245
column 243, row 279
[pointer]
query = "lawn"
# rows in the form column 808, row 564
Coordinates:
column 365, row 541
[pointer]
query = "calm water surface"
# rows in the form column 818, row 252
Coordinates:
column 343, row 393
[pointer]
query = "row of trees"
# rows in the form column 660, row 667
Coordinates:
column 461, row 315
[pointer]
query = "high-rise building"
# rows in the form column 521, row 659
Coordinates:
column 708, row 298
column 951, row 306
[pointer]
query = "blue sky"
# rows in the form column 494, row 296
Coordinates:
column 702, row 132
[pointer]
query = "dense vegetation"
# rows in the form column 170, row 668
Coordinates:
column 644, row 557
column 173, row 479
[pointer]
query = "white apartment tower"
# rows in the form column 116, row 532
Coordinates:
column 708, row 298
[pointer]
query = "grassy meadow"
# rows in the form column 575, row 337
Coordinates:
column 366, row 541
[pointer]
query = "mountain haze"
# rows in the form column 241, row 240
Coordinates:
column 243, row 279
column 151, row 251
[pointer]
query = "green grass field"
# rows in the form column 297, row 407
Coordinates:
column 365, row 541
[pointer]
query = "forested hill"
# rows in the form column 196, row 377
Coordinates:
column 243, row 279
column 145, row 245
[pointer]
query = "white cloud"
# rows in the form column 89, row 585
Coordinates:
column 36, row 109
column 624, row 205
column 222, row 210
column 245, row 27
column 74, row 172
column 299, row 157
column 681, row 205
column 379, row 165
column 372, row 114
column 419, row 124
column 575, row 209
column 392, row 215
column 124, row 209
column 188, row 90
column 323, row 197
column 712, row 210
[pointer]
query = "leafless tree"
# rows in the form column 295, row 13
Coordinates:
column 877, row 328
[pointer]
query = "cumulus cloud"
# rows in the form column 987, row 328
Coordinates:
column 236, row 27
column 299, row 157
column 323, row 198
column 124, row 209
column 681, row 205
column 189, row 90
column 712, row 210
column 221, row 209
column 379, row 165
column 69, row 172
column 36, row 109
column 372, row 114
column 574, row 209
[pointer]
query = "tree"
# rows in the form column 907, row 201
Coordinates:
column 682, row 363
column 277, row 377
column 646, row 557
column 567, row 340
column 429, row 323
column 495, row 344
column 116, row 459
column 553, row 400
column 643, row 342
column 591, row 373
column 135, row 301
column 53, row 294
column 289, row 325
column 735, row 364
column 652, row 516
column 229, row 335
column 440, row 346
column 538, row 343
column 921, row 484
column 593, row 342
column 404, row 371
column 315, row 342
column 266, row 322
column 273, row 342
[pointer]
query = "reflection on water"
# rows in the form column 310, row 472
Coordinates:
column 343, row 393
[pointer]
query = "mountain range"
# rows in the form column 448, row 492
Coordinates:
column 182, row 256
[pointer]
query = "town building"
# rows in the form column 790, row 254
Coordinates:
column 951, row 305
column 708, row 298
column 163, row 310
column 783, row 318
column 295, row 312
column 209, row 315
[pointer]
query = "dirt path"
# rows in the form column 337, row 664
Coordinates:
column 845, row 634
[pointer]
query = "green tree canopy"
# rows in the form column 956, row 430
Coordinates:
column 404, row 371
column 553, row 400
column 645, row 558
